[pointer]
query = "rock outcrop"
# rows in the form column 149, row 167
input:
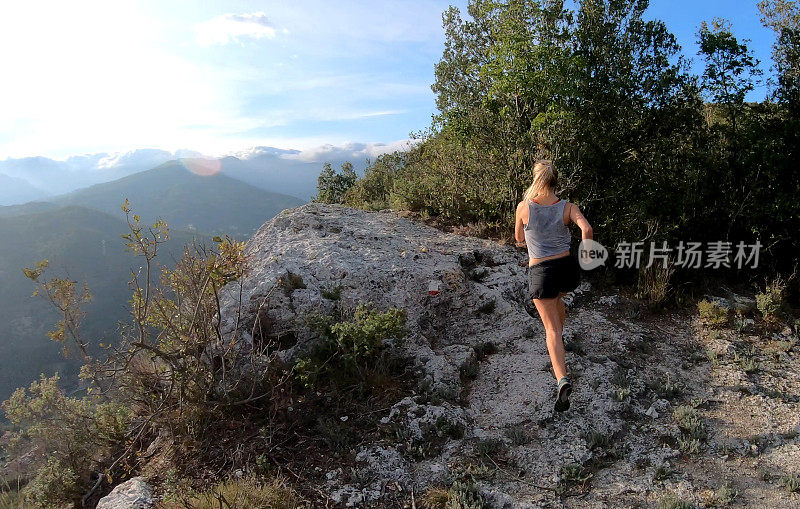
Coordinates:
column 134, row 493
column 618, row 445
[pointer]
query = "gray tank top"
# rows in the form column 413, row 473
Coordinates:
column 546, row 234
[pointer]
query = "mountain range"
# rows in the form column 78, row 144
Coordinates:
column 79, row 232
column 292, row 172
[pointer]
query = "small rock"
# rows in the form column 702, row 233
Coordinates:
column 609, row 300
column 652, row 413
column 132, row 494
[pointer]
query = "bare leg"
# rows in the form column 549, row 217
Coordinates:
column 562, row 310
column 551, row 319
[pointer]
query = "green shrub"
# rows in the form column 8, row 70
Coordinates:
column 489, row 447
column 748, row 363
column 362, row 337
column 332, row 186
column 55, row 483
column 689, row 445
column 771, row 301
column 333, row 292
column 689, row 421
column 668, row 388
column 712, row 314
column 350, row 352
column 596, row 439
column 662, row 471
column 725, row 495
column 791, row 483
column 518, row 435
column 75, row 433
column 572, row 472
column 373, row 191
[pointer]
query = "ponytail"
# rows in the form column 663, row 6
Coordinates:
column 544, row 178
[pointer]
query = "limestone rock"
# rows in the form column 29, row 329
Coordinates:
column 134, row 493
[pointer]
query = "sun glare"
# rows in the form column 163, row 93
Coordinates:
column 202, row 166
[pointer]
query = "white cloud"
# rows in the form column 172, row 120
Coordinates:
column 229, row 28
column 350, row 151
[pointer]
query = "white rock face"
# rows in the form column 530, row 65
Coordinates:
column 389, row 261
column 132, row 494
column 614, row 446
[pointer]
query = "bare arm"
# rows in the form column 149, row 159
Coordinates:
column 519, row 224
column 576, row 217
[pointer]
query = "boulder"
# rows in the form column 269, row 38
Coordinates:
column 134, row 493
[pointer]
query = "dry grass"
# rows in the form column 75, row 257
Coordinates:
column 239, row 494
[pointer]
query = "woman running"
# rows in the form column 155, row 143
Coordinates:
column 541, row 223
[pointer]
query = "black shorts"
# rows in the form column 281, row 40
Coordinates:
column 551, row 277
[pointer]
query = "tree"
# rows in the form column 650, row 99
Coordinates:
column 731, row 69
column 332, row 186
column 783, row 16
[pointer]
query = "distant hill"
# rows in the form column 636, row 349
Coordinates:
column 18, row 190
column 285, row 171
column 186, row 200
column 26, row 208
column 86, row 244
column 55, row 176
column 274, row 171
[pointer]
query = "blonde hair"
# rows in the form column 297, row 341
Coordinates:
column 544, row 177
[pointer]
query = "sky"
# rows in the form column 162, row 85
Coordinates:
column 221, row 76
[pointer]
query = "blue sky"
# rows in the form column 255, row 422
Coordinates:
column 222, row 76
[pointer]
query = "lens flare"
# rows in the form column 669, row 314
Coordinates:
column 201, row 166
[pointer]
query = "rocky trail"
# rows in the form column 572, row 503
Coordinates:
column 664, row 410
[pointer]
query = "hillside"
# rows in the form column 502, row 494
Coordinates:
column 26, row 208
column 86, row 244
column 17, row 190
column 664, row 405
column 186, row 200
column 274, row 171
column 333, row 361
column 458, row 411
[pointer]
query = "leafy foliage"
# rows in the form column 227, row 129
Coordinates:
column 173, row 371
column 352, row 351
column 78, row 435
column 771, row 302
column 647, row 149
column 332, row 186
column 712, row 313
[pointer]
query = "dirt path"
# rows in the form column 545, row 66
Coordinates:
column 620, row 444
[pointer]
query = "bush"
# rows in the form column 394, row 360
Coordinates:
column 771, row 301
column 712, row 313
column 171, row 372
column 690, row 422
column 332, row 186
column 374, row 190
column 77, row 435
column 351, row 352
column 791, row 483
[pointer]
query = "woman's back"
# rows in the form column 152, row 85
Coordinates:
column 546, row 234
